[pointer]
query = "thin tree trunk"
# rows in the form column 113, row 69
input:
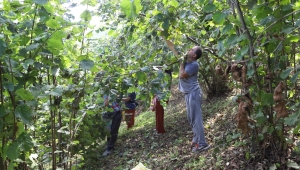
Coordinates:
column 251, row 45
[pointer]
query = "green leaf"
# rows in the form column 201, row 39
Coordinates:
column 138, row 6
column 209, row 8
column 13, row 151
column 55, row 70
column 141, row 76
column 292, row 164
column 173, row 3
column 24, row 94
column 2, row 48
column 20, row 128
column 241, row 53
column 293, row 38
column 273, row 167
column 25, row 142
column 219, row 17
column 56, row 92
column 267, row 20
column 295, row 131
column 159, row 17
column 41, row 2
column 284, row 2
column 55, row 42
column 166, row 24
column 297, row 24
column 293, row 119
column 32, row 47
column 86, row 64
column 286, row 73
column 266, row 99
column 125, row 7
column 232, row 39
column 1, row 126
column 24, row 112
column 251, row 3
column 9, row 86
column 295, row 77
column 227, row 28
column 2, row 111
column 52, row 23
column 145, row 69
column 131, row 7
column 260, row 117
column 86, row 15
column 160, row 74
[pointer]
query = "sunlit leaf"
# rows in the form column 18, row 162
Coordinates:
column 55, row 42
column 52, row 23
column 131, row 8
column 24, row 94
column 24, row 112
column 293, row 38
column 86, row 15
column 174, row 3
column 284, row 2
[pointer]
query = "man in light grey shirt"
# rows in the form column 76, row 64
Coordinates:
column 189, row 85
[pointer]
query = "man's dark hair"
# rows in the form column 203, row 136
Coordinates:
column 198, row 52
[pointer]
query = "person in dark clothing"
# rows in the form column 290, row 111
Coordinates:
column 114, row 126
column 130, row 104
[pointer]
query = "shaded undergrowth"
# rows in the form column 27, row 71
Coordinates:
column 229, row 148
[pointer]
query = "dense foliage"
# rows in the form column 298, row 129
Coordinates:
column 53, row 71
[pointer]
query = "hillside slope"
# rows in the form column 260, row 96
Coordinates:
column 229, row 148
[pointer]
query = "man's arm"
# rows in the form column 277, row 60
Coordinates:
column 182, row 73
